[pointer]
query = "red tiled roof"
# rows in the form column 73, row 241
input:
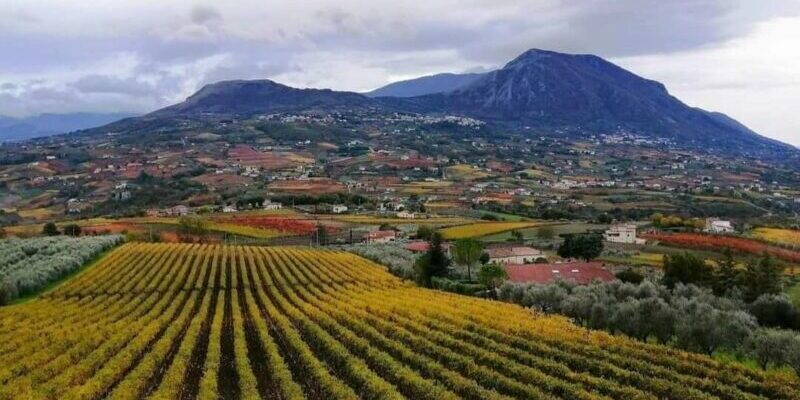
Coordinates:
column 381, row 234
column 581, row 273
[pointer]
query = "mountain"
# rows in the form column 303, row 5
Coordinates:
column 439, row 83
column 541, row 92
column 13, row 129
column 261, row 96
column 546, row 90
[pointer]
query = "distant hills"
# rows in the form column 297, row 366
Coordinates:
column 439, row 83
column 540, row 92
column 14, row 129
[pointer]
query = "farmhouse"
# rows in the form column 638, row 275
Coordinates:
column 381, row 236
column 716, row 225
column 269, row 205
column 623, row 233
column 177, row 211
column 406, row 215
column 581, row 273
column 338, row 208
column 514, row 254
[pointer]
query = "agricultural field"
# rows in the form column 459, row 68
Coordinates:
column 173, row 321
column 558, row 229
column 635, row 259
column 719, row 243
column 378, row 220
column 479, row 229
column 28, row 265
column 786, row 237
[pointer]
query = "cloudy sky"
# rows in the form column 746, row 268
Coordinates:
column 740, row 57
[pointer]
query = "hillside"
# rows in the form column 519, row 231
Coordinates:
column 584, row 93
column 261, row 96
column 539, row 92
column 439, row 83
column 12, row 129
column 207, row 321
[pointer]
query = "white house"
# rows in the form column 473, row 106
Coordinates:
column 339, row 208
column 229, row 209
column 622, row 233
column 406, row 215
column 269, row 205
column 514, row 254
column 716, row 225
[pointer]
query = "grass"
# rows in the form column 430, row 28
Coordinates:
column 558, row 229
column 639, row 259
column 466, row 172
column 504, row 216
column 56, row 283
column 794, row 294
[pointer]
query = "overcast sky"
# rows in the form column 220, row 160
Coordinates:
column 738, row 57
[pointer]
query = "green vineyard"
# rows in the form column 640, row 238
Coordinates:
column 177, row 321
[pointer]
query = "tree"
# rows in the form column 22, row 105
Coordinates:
column 771, row 346
column 50, row 229
column 467, row 252
column 518, row 236
column 630, row 275
column 545, row 233
column 492, row 275
column 586, row 246
column 72, row 230
column 763, row 277
column 193, row 225
column 686, row 268
column 726, row 276
column 775, row 310
column 433, row 263
column 424, row 232
column 2, row 233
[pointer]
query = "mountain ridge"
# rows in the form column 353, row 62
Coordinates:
column 546, row 91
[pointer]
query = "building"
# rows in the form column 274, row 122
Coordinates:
column 74, row 206
column 716, row 225
column 229, row 209
column 406, row 215
column 581, row 273
column 514, row 254
column 338, row 208
column 269, row 205
column 177, row 211
column 381, row 236
column 623, row 233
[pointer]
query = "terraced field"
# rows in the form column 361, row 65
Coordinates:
column 178, row 321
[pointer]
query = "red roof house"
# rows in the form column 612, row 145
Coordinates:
column 581, row 273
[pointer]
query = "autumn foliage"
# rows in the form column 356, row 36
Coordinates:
column 719, row 243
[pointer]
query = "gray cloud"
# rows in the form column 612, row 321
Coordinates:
column 144, row 55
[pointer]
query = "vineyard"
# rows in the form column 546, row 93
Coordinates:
column 785, row 237
column 483, row 229
column 184, row 321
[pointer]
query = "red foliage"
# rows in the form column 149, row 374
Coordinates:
column 718, row 243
